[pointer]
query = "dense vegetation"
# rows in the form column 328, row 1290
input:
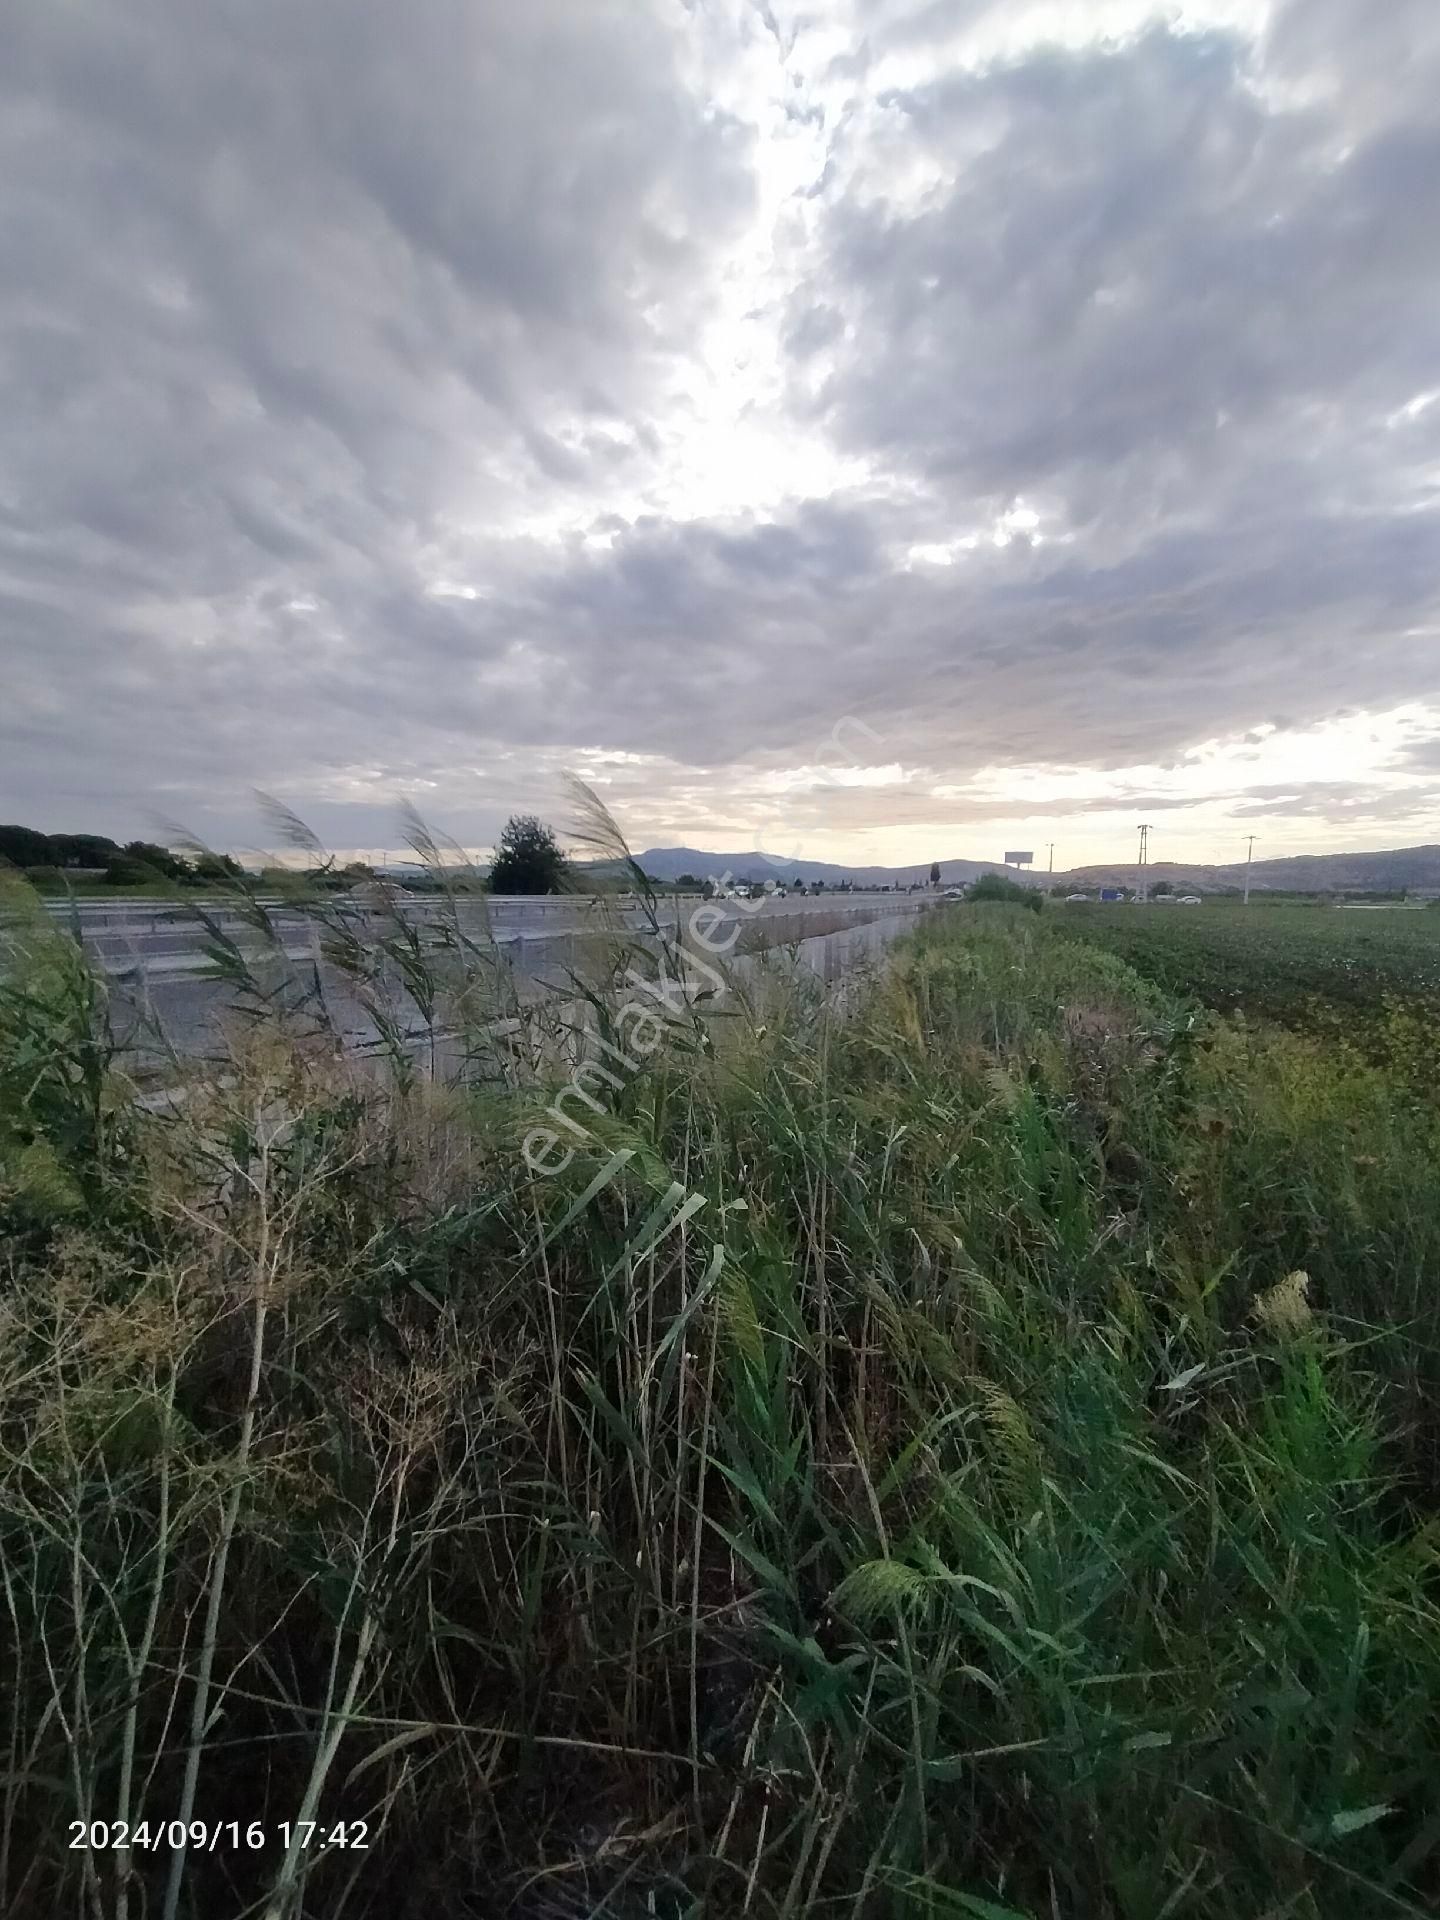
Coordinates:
column 997, row 888
column 528, row 858
column 54, row 860
column 1282, row 961
column 1367, row 981
column 27, row 847
column 979, row 1458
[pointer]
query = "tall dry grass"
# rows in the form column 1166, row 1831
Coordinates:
column 874, row 1479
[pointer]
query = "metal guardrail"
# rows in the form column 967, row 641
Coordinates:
column 185, row 996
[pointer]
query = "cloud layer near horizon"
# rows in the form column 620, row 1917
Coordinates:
column 422, row 399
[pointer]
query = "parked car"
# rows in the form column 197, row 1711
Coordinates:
column 1076, row 896
column 1190, row 900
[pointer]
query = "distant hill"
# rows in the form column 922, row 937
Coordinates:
column 1417, row 868
column 668, row 863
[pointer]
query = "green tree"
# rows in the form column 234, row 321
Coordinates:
column 81, row 849
column 218, row 866
column 528, row 858
column 25, row 847
column 934, row 873
column 1161, row 889
column 141, row 860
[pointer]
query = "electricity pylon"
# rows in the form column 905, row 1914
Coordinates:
column 1143, row 891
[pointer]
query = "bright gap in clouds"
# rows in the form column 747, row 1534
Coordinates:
column 728, row 444
column 1203, row 807
column 647, row 388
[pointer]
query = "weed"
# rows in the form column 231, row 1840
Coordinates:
column 976, row 1456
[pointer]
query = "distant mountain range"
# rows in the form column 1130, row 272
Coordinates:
column 669, row 863
column 1416, row 868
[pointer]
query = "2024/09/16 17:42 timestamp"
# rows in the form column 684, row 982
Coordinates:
column 209, row 1836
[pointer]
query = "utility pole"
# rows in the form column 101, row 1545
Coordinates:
column 1052, row 857
column 1142, row 892
column 1249, row 856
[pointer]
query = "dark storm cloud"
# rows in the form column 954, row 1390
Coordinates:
column 314, row 314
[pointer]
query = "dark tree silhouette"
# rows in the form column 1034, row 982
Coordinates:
column 528, row 858
column 81, row 849
column 934, row 873
column 141, row 860
column 26, row 848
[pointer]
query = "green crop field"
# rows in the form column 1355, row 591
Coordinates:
column 973, row 1459
column 1368, row 979
column 1274, row 960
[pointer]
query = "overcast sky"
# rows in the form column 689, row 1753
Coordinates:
column 872, row 429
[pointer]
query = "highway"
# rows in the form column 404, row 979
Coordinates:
column 168, row 996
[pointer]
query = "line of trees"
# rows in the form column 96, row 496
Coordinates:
column 528, row 860
column 42, row 854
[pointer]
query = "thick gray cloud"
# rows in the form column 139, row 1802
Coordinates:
column 296, row 299
column 1421, row 756
column 1143, row 296
column 348, row 352
column 1341, row 803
